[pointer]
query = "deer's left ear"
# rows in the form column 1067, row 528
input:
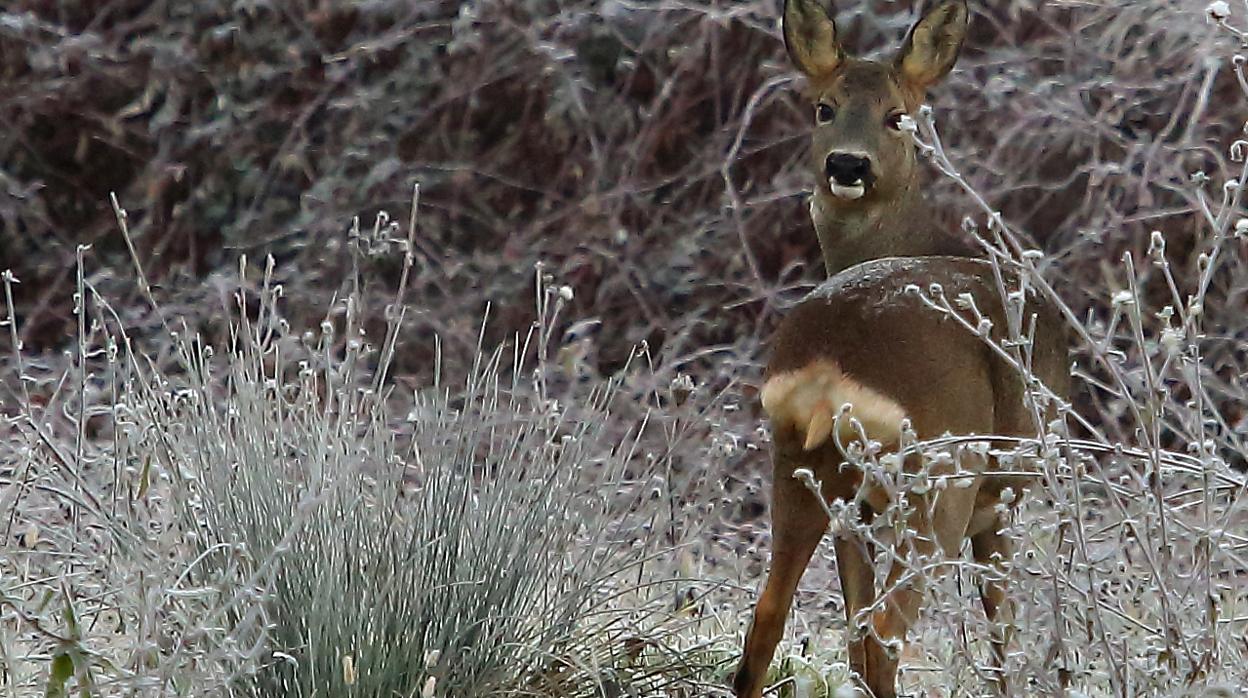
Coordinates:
column 932, row 46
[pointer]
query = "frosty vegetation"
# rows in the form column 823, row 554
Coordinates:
column 270, row 425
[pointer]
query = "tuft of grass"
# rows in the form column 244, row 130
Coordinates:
column 332, row 549
column 283, row 521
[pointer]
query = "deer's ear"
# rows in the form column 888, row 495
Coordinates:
column 932, row 46
column 810, row 37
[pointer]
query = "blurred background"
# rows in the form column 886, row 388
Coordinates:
column 648, row 153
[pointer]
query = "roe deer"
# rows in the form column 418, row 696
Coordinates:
column 861, row 338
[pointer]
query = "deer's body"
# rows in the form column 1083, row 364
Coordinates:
column 864, row 339
column 861, row 338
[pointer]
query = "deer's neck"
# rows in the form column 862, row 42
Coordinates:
column 900, row 228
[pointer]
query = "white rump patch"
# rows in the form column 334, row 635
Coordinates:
column 812, row 396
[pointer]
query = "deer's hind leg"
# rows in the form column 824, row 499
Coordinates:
column 798, row 523
column 857, row 575
column 993, row 548
column 936, row 527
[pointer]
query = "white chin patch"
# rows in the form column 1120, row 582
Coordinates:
column 853, row 191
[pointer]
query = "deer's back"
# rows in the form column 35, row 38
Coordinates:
column 871, row 324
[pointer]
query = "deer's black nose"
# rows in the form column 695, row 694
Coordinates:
column 846, row 169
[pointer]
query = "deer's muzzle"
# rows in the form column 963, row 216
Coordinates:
column 849, row 174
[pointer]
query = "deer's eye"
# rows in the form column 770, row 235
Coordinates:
column 824, row 113
column 893, row 120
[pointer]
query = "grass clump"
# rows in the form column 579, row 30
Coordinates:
column 454, row 554
column 282, row 522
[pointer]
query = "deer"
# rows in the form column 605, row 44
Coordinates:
column 864, row 345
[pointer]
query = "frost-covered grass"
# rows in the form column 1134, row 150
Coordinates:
column 258, row 517
column 268, row 514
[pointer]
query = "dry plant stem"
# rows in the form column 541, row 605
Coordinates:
column 1116, row 664
column 1153, row 442
column 144, row 286
column 734, row 197
column 24, row 407
column 115, row 412
column 1013, row 254
column 398, row 310
column 1154, row 414
column 999, row 228
column 80, row 426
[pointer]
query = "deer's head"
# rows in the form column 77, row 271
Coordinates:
column 858, row 148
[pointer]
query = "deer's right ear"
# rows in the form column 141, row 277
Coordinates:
column 810, row 37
